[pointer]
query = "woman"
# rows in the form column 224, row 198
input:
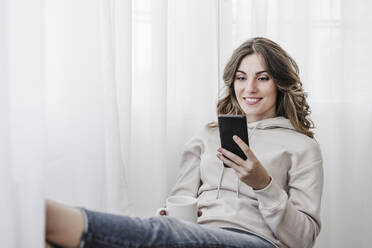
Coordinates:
column 271, row 199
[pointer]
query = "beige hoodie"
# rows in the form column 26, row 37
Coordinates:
column 286, row 212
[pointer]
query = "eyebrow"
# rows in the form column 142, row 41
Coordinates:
column 257, row 73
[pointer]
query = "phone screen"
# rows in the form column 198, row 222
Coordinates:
column 230, row 125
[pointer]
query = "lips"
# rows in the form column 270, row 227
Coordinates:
column 251, row 100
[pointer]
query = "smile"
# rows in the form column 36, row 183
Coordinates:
column 251, row 100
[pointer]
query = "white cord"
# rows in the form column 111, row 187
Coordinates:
column 219, row 183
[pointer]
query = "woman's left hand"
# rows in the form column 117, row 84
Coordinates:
column 250, row 171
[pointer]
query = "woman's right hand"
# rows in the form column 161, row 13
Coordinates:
column 163, row 213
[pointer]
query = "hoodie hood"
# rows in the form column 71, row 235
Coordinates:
column 270, row 123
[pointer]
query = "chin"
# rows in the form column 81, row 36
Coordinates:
column 250, row 112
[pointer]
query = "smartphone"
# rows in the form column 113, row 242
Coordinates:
column 230, row 125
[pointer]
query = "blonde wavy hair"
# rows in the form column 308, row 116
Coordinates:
column 291, row 99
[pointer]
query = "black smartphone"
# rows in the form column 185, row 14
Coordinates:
column 230, row 125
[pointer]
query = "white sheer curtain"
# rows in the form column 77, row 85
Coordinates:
column 330, row 40
column 98, row 98
column 174, row 92
column 84, row 153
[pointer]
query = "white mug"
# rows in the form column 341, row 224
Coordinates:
column 181, row 207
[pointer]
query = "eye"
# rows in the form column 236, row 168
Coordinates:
column 263, row 78
column 240, row 78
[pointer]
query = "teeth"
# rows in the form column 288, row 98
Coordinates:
column 251, row 99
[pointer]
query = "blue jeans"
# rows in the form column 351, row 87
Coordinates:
column 107, row 230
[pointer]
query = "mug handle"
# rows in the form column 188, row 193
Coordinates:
column 159, row 210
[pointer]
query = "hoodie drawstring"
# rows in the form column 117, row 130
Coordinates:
column 237, row 186
column 219, row 182
column 238, row 180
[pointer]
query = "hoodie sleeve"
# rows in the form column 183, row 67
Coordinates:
column 188, row 180
column 294, row 217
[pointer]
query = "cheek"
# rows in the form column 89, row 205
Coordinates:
column 236, row 90
column 274, row 94
column 272, row 91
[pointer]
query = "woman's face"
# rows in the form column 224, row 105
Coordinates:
column 255, row 89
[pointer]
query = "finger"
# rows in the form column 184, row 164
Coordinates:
column 228, row 162
column 199, row 213
column 245, row 148
column 233, row 157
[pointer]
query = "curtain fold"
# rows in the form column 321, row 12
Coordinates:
column 7, row 226
column 193, row 78
column 175, row 88
column 75, row 94
column 123, row 74
column 116, row 195
column 22, row 118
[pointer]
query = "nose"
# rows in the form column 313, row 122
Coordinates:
column 251, row 86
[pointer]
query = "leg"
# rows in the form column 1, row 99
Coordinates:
column 106, row 230
column 64, row 225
